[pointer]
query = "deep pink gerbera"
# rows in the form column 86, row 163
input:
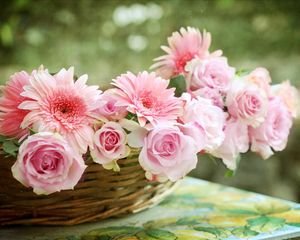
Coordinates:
column 147, row 96
column 11, row 116
column 183, row 47
column 58, row 104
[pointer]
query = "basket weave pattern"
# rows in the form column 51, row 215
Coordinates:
column 100, row 194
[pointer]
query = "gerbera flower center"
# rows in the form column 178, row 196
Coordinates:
column 67, row 109
column 147, row 100
column 181, row 62
column 71, row 105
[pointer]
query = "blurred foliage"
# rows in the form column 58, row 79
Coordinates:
column 107, row 38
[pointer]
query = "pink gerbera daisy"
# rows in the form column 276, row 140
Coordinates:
column 183, row 47
column 147, row 96
column 58, row 104
column 11, row 116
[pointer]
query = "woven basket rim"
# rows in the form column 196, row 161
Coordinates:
column 101, row 194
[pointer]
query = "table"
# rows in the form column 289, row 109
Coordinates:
column 197, row 210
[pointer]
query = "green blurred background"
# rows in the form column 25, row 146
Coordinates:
column 106, row 38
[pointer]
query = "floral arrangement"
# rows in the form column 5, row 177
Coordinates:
column 51, row 122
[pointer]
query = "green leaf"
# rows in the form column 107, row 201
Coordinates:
column 111, row 232
column 10, row 148
column 265, row 224
column 142, row 235
column 160, row 234
column 102, row 237
column 240, row 212
column 31, row 131
column 229, row 173
column 295, row 224
column 179, row 84
column 3, row 139
column 160, row 223
column 242, row 72
column 218, row 232
column 187, row 221
column 69, row 238
column 131, row 116
column 243, row 232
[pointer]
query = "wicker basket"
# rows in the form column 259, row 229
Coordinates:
column 99, row 195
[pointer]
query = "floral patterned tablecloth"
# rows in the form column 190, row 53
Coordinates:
column 196, row 210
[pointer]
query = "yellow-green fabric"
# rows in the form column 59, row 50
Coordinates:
column 196, row 210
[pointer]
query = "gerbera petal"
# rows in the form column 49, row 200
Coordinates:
column 63, row 106
column 28, row 105
column 65, row 77
column 148, row 97
column 183, row 46
column 11, row 116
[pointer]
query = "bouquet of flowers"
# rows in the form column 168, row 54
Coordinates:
column 51, row 123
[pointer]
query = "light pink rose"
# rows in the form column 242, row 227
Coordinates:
column 236, row 142
column 289, row 95
column 247, row 102
column 48, row 164
column 208, row 118
column 213, row 72
column 193, row 130
column 168, row 153
column 109, row 106
column 109, row 144
column 210, row 93
column 273, row 133
column 260, row 77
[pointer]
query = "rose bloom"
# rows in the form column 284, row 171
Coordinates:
column 236, row 141
column 208, row 118
column 289, row 95
column 149, row 97
column 260, row 77
column 273, row 133
column 247, row 103
column 11, row 116
column 183, row 47
column 109, row 108
column 59, row 104
column 109, row 144
column 212, row 72
column 209, row 93
column 48, row 164
column 168, row 153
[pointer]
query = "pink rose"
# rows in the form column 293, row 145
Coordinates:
column 48, row 164
column 208, row 118
column 212, row 72
column 109, row 144
column 193, row 130
column 289, row 95
column 260, row 77
column 247, row 102
column 236, row 141
column 210, row 93
column 109, row 106
column 168, row 153
column 273, row 133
